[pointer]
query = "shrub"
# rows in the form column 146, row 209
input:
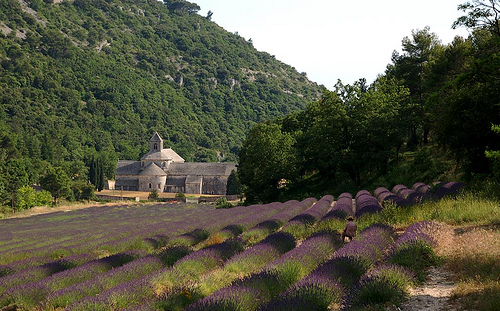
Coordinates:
column 25, row 198
column 383, row 284
column 153, row 195
column 180, row 195
column 43, row 198
column 223, row 203
column 415, row 255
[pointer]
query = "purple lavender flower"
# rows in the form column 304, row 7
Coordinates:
column 342, row 208
column 390, row 198
column 414, row 248
column 398, row 188
column 382, row 284
column 379, row 191
column 366, row 203
column 230, row 298
column 315, row 213
column 446, row 189
column 314, row 293
column 310, row 253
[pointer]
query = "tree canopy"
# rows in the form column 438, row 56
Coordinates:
column 435, row 102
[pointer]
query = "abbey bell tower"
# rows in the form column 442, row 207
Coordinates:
column 155, row 143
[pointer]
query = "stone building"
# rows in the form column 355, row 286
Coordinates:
column 164, row 170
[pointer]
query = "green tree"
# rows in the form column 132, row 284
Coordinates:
column 43, row 198
column 480, row 14
column 412, row 68
column 319, row 130
column 16, row 176
column 82, row 190
column 25, row 198
column 96, row 172
column 494, row 155
column 466, row 106
column 57, row 182
column 234, row 186
column 267, row 161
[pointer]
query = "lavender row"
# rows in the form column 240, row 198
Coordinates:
column 167, row 282
column 342, row 208
column 380, row 285
column 261, row 230
column 446, row 189
column 30, row 290
column 385, row 197
column 414, row 249
column 331, row 282
column 409, row 196
column 37, row 273
column 315, row 213
column 366, row 203
column 157, row 283
column 274, row 278
column 159, row 226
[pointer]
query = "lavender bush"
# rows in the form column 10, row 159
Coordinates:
column 366, row 203
column 382, row 284
column 414, row 249
column 333, row 280
column 446, row 189
column 342, row 208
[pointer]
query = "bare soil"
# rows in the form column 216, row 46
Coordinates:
column 434, row 294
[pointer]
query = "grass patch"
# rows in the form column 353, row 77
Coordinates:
column 473, row 257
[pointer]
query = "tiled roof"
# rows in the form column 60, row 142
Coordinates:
column 201, row 168
column 164, row 155
column 125, row 167
column 153, row 170
column 156, row 137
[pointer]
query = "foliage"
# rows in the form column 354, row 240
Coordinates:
column 25, row 198
column 56, row 182
column 266, row 160
column 83, row 84
column 234, row 185
column 382, row 285
column 82, row 190
column 153, row 194
column 480, row 14
column 428, row 117
column 180, row 195
column 223, row 203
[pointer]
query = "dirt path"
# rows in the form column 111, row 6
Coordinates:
column 434, row 294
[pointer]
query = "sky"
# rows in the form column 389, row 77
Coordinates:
column 330, row 39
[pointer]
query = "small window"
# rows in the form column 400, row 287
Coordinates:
column 149, row 185
column 155, row 147
column 159, row 186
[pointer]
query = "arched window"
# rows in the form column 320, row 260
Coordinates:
column 149, row 185
column 155, row 146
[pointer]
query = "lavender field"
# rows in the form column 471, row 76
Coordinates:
column 195, row 257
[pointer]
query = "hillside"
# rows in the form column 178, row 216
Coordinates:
column 79, row 78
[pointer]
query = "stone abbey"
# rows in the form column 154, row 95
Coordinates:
column 164, row 170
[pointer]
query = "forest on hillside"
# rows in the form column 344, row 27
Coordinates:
column 85, row 83
column 434, row 114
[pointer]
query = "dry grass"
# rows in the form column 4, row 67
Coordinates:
column 473, row 255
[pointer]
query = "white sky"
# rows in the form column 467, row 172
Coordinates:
column 331, row 39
